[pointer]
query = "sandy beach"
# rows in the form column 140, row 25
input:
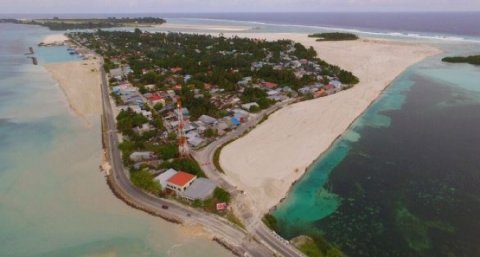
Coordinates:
column 270, row 158
column 203, row 28
column 54, row 39
column 80, row 81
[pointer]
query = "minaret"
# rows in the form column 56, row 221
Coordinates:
column 183, row 148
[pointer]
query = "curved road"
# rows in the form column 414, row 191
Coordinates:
column 258, row 241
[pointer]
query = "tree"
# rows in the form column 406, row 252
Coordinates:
column 158, row 106
column 144, row 180
column 210, row 133
column 184, row 164
column 222, row 195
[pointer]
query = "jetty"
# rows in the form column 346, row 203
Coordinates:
column 34, row 60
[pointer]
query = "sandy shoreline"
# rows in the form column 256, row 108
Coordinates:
column 80, row 82
column 54, row 39
column 202, row 28
column 277, row 153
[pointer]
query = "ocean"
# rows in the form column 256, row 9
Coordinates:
column 402, row 181
column 53, row 199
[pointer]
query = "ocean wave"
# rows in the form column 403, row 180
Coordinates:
column 410, row 35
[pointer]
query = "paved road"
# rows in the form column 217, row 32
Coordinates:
column 220, row 227
column 248, row 214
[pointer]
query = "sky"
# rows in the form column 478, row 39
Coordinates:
column 184, row 6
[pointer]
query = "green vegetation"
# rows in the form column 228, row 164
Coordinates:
column 184, row 164
column 270, row 221
column 160, row 59
column 257, row 95
column 222, row 195
column 127, row 120
column 230, row 216
column 71, row 24
column 474, row 59
column 216, row 156
column 334, row 36
column 307, row 246
column 144, row 180
column 316, row 247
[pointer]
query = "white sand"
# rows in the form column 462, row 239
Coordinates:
column 270, row 158
column 80, row 81
column 53, row 39
column 182, row 26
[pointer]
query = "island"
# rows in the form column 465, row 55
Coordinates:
column 474, row 59
column 334, row 36
column 57, row 23
column 176, row 96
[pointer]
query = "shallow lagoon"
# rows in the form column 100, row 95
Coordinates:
column 403, row 181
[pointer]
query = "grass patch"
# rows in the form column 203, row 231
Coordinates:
column 270, row 221
column 334, row 36
column 234, row 219
column 216, row 156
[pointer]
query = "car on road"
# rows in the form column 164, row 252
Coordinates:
column 164, row 206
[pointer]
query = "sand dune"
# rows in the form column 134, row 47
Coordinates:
column 270, row 158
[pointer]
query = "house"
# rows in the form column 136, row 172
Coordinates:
column 235, row 121
column 195, row 141
column 331, row 89
column 273, row 92
column 165, row 176
column 121, row 72
column 180, row 182
column 134, row 108
column 221, row 127
column 146, row 114
column 150, row 87
column 320, row 93
column 185, row 112
column 249, row 105
column 240, row 115
column 201, row 189
column 307, row 90
column 269, row 85
column 142, row 156
column 155, row 99
column 245, row 81
column 207, row 120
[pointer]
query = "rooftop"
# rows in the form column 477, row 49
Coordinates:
column 181, row 178
column 201, row 188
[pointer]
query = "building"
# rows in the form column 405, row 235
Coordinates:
column 142, row 156
column 155, row 99
column 164, row 177
column 180, row 182
column 210, row 121
column 269, row 85
column 249, row 106
column 201, row 189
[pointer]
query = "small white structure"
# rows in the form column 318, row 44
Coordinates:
column 142, row 156
column 249, row 105
column 165, row 176
column 207, row 120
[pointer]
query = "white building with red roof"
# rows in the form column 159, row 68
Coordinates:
column 180, row 182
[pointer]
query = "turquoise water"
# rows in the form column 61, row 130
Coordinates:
column 403, row 180
column 53, row 199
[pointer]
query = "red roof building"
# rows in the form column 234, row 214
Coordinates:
column 156, row 99
column 180, row 182
column 269, row 85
